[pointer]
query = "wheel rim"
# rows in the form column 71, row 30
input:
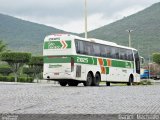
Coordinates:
column 130, row 83
column 97, row 79
column 89, row 80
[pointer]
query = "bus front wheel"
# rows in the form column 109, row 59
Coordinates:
column 89, row 80
column 63, row 83
column 130, row 82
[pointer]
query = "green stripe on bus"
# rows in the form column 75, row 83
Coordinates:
column 107, row 70
column 88, row 60
column 56, row 59
column 104, row 62
column 95, row 61
column 83, row 60
column 122, row 64
column 68, row 44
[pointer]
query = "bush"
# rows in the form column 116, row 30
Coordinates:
column 5, row 70
column 3, row 78
column 20, row 79
column 10, row 79
column 156, row 58
column 28, row 71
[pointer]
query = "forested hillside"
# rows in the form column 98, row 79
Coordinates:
column 146, row 30
column 22, row 35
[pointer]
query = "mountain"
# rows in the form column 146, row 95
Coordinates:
column 26, row 36
column 146, row 31
column 21, row 35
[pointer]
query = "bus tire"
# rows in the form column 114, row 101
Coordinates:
column 96, row 80
column 73, row 83
column 63, row 83
column 130, row 82
column 108, row 83
column 89, row 80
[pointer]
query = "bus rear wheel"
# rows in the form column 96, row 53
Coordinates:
column 72, row 83
column 63, row 83
column 96, row 80
column 89, row 80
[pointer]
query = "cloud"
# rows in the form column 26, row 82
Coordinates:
column 68, row 14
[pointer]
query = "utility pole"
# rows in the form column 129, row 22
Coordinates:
column 149, row 60
column 85, row 13
column 129, row 37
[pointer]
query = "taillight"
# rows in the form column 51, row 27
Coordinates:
column 72, row 64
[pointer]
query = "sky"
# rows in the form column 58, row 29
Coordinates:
column 68, row 15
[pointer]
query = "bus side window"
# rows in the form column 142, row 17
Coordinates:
column 81, row 47
column 121, row 52
column 77, row 45
column 102, row 51
column 88, row 48
column 125, row 55
column 96, row 49
column 108, row 51
column 130, row 55
column 115, row 52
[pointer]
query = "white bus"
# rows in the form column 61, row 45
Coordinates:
column 71, row 60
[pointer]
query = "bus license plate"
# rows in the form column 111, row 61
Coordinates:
column 56, row 73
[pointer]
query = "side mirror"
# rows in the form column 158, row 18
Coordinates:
column 142, row 60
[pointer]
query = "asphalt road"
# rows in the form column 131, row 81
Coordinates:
column 20, row 98
column 50, row 98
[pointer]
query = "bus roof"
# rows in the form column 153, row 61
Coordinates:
column 104, row 42
column 90, row 40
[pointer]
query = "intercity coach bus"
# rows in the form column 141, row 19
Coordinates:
column 71, row 60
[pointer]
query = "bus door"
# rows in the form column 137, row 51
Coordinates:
column 137, row 62
column 137, row 66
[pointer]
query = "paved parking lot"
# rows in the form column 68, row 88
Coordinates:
column 49, row 98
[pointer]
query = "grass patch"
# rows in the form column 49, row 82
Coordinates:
column 145, row 82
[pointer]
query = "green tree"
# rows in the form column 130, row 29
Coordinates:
column 16, row 60
column 156, row 58
column 5, row 70
column 36, row 64
column 28, row 71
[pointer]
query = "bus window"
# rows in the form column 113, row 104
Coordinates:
column 115, row 52
column 79, row 47
column 122, row 53
column 88, row 48
column 102, row 51
column 108, row 51
column 130, row 55
column 96, row 49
